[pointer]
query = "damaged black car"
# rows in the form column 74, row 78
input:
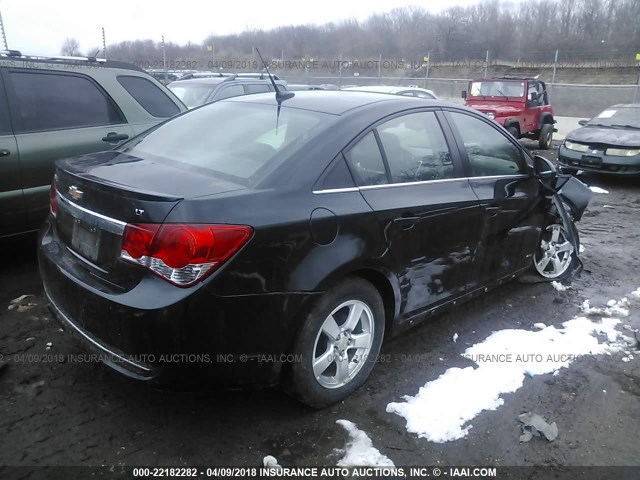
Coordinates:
column 262, row 240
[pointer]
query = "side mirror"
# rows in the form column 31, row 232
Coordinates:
column 464, row 94
column 583, row 122
column 543, row 168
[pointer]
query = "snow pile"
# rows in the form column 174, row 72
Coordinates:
column 636, row 293
column 613, row 308
column 558, row 286
column 598, row 190
column 360, row 452
column 441, row 408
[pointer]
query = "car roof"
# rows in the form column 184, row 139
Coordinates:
column 218, row 80
column 336, row 102
column 626, row 105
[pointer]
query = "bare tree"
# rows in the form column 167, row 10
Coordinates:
column 70, row 47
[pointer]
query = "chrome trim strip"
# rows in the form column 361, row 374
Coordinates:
column 411, row 184
column 337, row 190
column 89, row 338
column 105, row 223
column 423, row 182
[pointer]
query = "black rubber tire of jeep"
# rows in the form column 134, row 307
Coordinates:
column 545, row 137
column 513, row 131
column 299, row 379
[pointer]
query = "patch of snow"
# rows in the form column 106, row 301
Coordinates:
column 617, row 308
column 636, row 293
column 270, row 462
column 442, row 408
column 360, row 451
column 598, row 190
column 539, row 326
column 581, row 249
column 558, row 286
column 455, row 337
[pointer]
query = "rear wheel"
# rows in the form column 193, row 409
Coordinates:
column 554, row 257
column 337, row 346
column 545, row 137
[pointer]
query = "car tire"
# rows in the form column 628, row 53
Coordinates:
column 513, row 131
column 545, row 137
column 355, row 306
column 555, row 257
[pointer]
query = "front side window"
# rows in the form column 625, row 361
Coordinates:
column 192, row 94
column 490, row 151
column 149, row 96
column 415, row 148
column 51, row 101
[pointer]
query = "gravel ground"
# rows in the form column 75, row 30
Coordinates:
column 61, row 413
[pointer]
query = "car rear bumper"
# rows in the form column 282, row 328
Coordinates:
column 161, row 333
column 598, row 162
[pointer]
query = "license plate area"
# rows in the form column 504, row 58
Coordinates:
column 85, row 240
column 592, row 161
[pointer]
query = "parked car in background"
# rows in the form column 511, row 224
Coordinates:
column 290, row 237
column 295, row 87
column 51, row 108
column 608, row 143
column 412, row 91
column 520, row 104
column 196, row 91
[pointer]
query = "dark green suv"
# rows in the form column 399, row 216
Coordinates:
column 52, row 108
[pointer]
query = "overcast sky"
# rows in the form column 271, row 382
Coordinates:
column 40, row 27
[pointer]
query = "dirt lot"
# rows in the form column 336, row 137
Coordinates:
column 82, row 413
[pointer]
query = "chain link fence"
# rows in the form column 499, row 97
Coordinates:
column 568, row 100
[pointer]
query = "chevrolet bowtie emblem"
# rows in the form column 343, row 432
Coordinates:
column 75, row 193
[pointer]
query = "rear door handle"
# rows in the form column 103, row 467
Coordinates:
column 4, row 152
column 406, row 223
column 115, row 137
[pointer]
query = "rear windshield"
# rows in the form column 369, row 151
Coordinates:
column 618, row 117
column 237, row 140
column 192, row 94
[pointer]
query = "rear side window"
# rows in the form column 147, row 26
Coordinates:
column 50, row 101
column 5, row 124
column 366, row 163
column 149, row 96
column 230, row 91
column 257, row 88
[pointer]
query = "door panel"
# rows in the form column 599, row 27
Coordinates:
column 509, row 196
column 39, row 151
column 11, row 198
column 432, row 231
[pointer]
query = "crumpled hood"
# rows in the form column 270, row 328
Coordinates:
column 623, row 137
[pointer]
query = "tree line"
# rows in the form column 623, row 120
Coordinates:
column 527, row 30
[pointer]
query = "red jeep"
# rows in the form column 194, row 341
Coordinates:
column 521, row 105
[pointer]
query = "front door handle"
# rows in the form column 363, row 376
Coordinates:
column 4, row 152
column 406, row 223
column 115, row 137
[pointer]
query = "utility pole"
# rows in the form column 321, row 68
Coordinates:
column 486, row 64
column 104, row 44
column 164, row 61
column 4, row 37
column 428, row 65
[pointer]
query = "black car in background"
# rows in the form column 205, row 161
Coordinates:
column 256, row 241
column 608, row 143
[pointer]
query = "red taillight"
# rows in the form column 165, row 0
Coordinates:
column 181, row 253
column 53, row 199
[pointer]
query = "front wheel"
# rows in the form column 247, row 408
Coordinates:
column 555, row 254
column 337, row 345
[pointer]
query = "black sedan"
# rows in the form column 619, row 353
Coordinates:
column 608, row 143
column 256, row 240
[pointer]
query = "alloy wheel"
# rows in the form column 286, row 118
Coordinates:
column 555, row 253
